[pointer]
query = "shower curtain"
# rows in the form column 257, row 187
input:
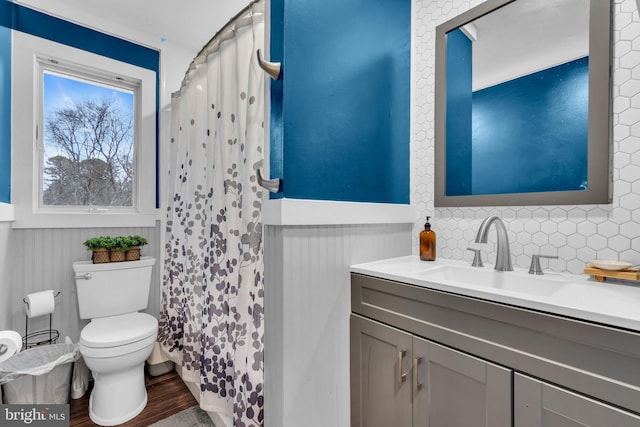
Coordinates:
column 211, row 317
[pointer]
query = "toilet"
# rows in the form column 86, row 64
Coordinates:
column 118, row 340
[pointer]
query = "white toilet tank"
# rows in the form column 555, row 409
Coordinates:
column 112, row 288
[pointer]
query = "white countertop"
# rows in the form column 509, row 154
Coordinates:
column 613, row 302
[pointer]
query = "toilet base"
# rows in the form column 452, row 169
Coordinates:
column 118, row 397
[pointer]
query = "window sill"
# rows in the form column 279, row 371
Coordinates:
column 322, row 212
column 84, row 220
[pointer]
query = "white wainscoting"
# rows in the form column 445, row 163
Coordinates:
column 5, row 278
column 7, row 212
column 330, row 212
column 307, row 308
column 40, row 259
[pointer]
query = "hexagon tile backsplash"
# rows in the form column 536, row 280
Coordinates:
column 576, row 234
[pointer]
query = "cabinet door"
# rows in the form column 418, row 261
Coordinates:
column 539, row 404
column 453, row 389
column 380, row 375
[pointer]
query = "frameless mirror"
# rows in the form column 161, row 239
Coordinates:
column 523, row 104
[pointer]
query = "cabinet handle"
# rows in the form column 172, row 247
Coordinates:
column 402, row 377
column 416, row 384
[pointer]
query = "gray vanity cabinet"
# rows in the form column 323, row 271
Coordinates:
column 380, row 378
column 539, row 404
column 454, row 389
column 483, row 363
column 398, row 379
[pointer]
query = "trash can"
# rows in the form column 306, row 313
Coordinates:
column 39, row 375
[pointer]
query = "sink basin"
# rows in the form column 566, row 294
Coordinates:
column 510, row 281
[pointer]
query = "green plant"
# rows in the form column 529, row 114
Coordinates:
column 138, row 240
column 118, row 243
column 129, row 241
column 95, row 243
column 121, row 243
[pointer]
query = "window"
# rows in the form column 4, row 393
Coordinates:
column 87, row 139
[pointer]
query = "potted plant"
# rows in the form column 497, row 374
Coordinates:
column 100, row 246
column 119, row 248
column 133, row 254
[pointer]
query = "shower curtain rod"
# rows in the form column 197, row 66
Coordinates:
column 203, row 51
column 226, row 26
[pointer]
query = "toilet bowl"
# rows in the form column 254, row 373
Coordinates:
column 118, row 340
column 116, row 360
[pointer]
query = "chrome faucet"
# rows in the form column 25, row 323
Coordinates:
column 535, row 267
column 503, row 259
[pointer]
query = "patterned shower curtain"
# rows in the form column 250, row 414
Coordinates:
column 211, row 317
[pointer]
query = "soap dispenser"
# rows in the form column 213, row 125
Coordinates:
column 427, row 243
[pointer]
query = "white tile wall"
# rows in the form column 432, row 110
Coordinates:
column 576, row 234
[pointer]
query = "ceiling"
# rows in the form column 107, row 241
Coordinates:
column 528, row 36
column 188, row 23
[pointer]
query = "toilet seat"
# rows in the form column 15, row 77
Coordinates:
column 117, row 335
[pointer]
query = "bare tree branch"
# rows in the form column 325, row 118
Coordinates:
column 94, row 164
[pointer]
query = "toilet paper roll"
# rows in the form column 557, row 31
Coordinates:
column 40, row 303
column 10, row 344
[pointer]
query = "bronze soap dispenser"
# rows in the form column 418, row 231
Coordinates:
column 427, row 243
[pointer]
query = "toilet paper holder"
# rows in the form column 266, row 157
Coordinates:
column 55, row 295
column 44, row 336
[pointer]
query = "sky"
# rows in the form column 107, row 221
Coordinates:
column 65, row 92
column 61, row 92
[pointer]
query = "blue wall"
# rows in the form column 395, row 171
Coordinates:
column 459, row 113
column 276, row 122
column 340, row 114
column 5, row 102
column 20, row 18
column 530, row 134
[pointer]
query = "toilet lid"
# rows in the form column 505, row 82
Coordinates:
column 118, row 330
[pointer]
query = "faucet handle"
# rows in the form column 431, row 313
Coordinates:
column 535, row 267
column 477, row 257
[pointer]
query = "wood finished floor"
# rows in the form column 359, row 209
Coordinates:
column 167, row 395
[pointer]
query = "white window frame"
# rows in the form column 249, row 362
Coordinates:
column 30, row 53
